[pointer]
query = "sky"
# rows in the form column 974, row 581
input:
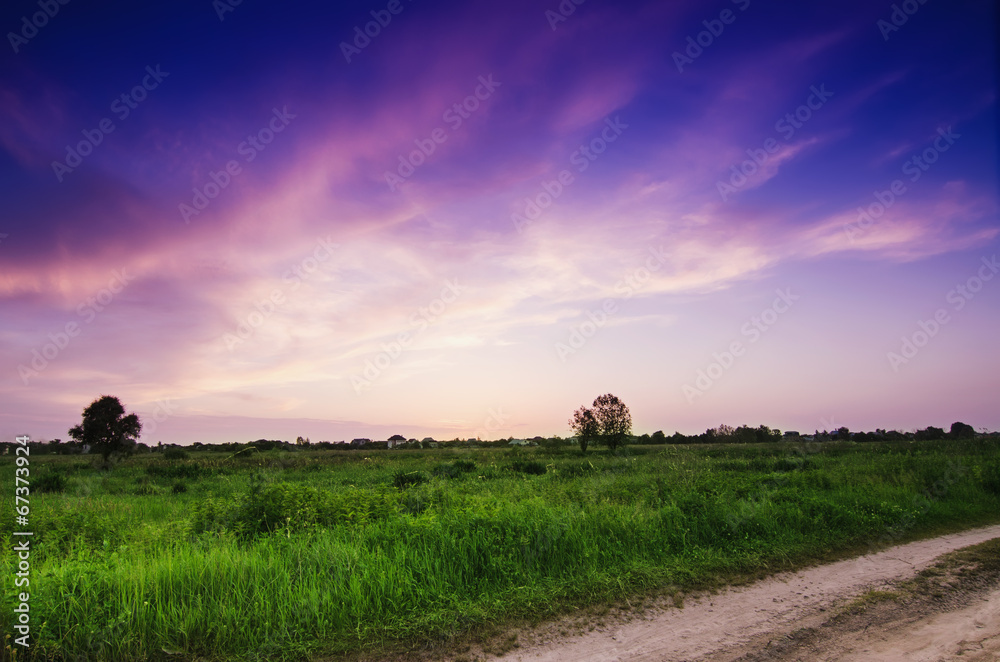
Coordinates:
column 450, row 219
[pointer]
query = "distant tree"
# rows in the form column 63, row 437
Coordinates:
column 658, row 437
column 929, row 433
column 613, row 419
column 962, row 431
column 585, row 426
column 106, row 427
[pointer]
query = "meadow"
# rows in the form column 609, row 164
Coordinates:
column 283, row 555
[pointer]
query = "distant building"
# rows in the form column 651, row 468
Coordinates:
column 791, row 433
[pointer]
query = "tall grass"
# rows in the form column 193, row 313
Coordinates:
column 284, row 556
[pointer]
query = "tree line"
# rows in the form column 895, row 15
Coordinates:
column 108, row 430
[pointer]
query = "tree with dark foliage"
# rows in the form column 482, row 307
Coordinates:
column 962, row 431
column 615, row 420
column 106, row 427
column 609, row 422
column 585, row 427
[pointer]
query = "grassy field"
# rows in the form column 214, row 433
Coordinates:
column 283, row 555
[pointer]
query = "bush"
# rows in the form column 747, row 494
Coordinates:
column 455, row 469
column 279, row 505
column 190, row 470
column 290, row 507
column 793, row 464
column 49, row 482
column 533, row 467
column 175, row 454
column 145, row 489
column 413, row 503
column 180, row 487
column 990, row 477
column 576, row 469
column 402, row 479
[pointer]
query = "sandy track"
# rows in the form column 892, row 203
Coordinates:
column 971, row 634
column 727, row 625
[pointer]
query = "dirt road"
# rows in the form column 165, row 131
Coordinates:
column 952, row 613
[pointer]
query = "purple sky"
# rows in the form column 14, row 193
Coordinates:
column 487, row 214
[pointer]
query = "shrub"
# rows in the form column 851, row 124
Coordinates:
column 793, row 464
column 990, row 477
column 49, row 482
column 180, row 487
column 402, row 479
column 279, row 505
column 455, row 469
column 533, row 467
column 145, row 489
column 413, row 503
column 290, row 507
column 189, row 470
column 175, row 454
column 576, row 469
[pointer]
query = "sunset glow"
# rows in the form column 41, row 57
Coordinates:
column 264, row 222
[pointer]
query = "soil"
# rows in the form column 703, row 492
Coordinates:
column 915, row 603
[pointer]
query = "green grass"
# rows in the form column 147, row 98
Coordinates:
column 291, row 555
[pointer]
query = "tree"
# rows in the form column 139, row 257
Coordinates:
column 929, row 433
column 106, row 427
column 609, row 422
column 614, row 420
column 585, row 427
column 962, row 431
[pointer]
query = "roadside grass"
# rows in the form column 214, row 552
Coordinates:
column 964, row 569
column 297, row 555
